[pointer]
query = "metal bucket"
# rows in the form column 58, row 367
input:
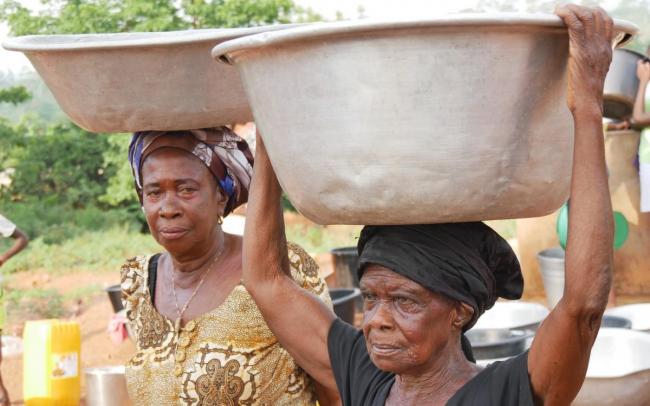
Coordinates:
column 551, row 265
column 621, row 84
column 106, row 386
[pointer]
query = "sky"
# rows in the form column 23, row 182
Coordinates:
column 380, row 9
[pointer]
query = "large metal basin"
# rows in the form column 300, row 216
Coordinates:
column 638, row 314
column 621, row 84
column 619, row 370
column 490, row 344
column 513, row 315
column 140, row 81
column 450, row 119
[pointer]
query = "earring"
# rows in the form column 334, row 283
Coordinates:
column 220, row 220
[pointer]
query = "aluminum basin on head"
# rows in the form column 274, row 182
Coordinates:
column 451, row 119
column 140, row 81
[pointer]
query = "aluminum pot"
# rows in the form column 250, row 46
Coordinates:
column 455, row 118
column 621, row 84
column 619, row 370
column 106, row 386
column 638, row 314
column 140, row 81
column 516, row 315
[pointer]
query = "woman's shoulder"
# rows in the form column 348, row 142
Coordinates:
column 133, row 275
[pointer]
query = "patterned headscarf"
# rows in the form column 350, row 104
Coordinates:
column 225, row 153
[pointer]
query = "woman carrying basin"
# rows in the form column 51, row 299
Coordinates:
column 200, row 338
column 424, row 285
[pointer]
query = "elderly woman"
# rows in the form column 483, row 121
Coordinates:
column 424, row 285
column 200, row 338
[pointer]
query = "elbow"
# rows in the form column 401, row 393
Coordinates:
column 588, row 303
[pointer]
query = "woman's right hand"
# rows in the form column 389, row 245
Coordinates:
column 590, row 54
column 643, row 71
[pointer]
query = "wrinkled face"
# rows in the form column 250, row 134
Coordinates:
column 181, row 201
column 406, row 326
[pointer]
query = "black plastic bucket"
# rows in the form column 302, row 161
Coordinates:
column 115, row 295
column 344, row 300
column 345, row 261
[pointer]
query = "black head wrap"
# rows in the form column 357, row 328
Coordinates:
column 467, row 262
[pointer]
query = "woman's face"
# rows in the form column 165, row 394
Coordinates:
column 181, row 201
column 406, row 326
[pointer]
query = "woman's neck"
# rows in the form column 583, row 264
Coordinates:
column 436, row 384
column 190, row 266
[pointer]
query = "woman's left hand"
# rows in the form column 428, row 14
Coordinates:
column 590, row 54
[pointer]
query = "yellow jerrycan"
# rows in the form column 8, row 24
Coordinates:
column 51, row 363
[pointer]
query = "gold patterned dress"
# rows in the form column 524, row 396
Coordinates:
column 228, row 356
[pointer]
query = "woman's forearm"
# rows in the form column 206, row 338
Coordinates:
column 265, row 247
column 589, row 247
column 639, row 115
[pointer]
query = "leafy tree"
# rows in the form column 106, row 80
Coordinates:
column 58, row 164
column 14, row 95
column 101, row 16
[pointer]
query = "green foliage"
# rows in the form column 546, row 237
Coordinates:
column 58, row 164
column 120, row 191
column 14, row 95
column 41, row 104
column 104, row 250
column 100, row 16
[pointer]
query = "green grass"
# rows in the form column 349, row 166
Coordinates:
column 23, row 304
column 89, row 251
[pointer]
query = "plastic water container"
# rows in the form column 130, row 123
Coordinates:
column 51, row 362
column 551, row 265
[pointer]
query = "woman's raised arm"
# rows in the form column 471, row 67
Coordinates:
column 559, row 356
column 297, row 317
